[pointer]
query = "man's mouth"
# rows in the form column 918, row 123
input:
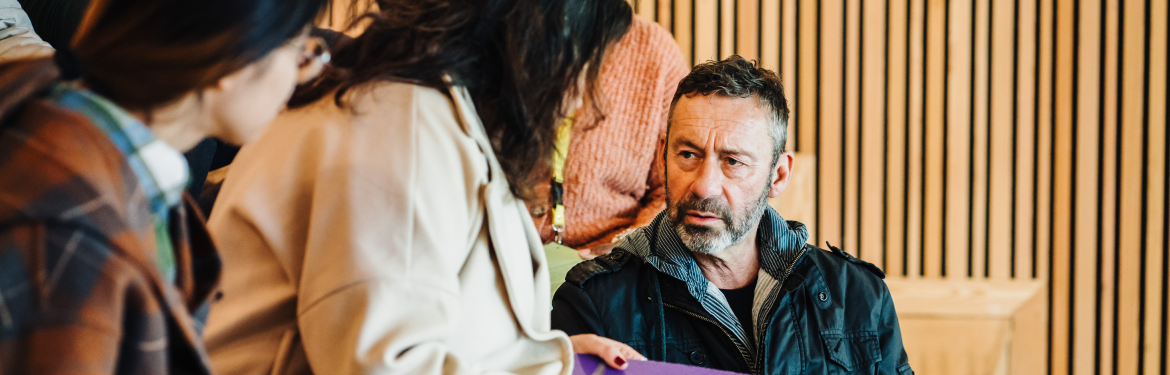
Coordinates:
column 702, row 218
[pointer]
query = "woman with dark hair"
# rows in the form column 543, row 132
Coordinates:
column 379, row 227
column 102, row 257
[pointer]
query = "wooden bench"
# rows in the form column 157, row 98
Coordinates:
column 960, row 327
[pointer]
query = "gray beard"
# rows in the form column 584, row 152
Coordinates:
column 708, row 240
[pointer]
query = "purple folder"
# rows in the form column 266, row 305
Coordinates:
column 588, row 365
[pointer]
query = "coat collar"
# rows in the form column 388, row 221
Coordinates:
column 780, row 243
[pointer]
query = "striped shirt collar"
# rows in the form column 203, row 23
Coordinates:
column 780, row 244
column 161, row 170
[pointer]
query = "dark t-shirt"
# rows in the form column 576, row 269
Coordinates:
column 741, row 305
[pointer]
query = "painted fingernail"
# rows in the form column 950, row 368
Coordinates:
column 620, row 361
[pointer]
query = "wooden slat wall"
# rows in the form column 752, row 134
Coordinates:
column 980, row 139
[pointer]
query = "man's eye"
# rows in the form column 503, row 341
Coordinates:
column 731, row 161
column 686, row 154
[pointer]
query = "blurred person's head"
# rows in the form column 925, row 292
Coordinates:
column 526, row 63
column 724, row 152
column 196, row 68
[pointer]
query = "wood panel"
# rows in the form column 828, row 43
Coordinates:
column 997, row 139
column 973, row 139
column 1156, row 260
column 957, row 132
column 1109, row 181
column 1086, row 131
column 830, row 122
column 897, row 137
column 872, row 128
column 1026, row 148
column 1000, row 133
column 807, row 65
column 934, row 135
column 1130, row 233
column 983, row 139
column 916, row 142
column 982, row 31
column 1062, row 190
column 851, row 130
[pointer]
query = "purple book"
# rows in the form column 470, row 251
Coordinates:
column 590, row 365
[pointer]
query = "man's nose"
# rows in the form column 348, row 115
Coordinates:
column 710, row 180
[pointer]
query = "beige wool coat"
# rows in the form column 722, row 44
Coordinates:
column 380, row 238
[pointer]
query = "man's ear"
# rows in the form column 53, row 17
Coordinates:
column 781, row 174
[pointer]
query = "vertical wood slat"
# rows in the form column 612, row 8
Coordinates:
column 1087, row 132
column 727, row 35
column 1156, row 204
column 666, row 13
column 872, row 163
column 769, row 45
column 850, row 148
column 980, row 174
column 1109, row 182
column 784, row 55
column 682, row 26
column 1131, row 190
column 748, row 30
column 1002, row 132
column 888, row 111
column 957, row 129
column 1159, row 99
column 934, row 130
column 807, row 83
column 707, row 30
column 1027, row 95
column 1045, row 153
column 829, row 122
column 916, row 126
column 1062, row 189
column 897, row 121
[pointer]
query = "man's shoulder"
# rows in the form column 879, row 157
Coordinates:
column 619, row 264
column 843, row 270
column 842, row 259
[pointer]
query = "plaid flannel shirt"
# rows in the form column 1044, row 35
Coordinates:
column 161, row 170
column 87, row 206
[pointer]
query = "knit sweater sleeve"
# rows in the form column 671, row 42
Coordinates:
column 672, row 70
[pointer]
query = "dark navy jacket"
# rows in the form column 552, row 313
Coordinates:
column 831, row 314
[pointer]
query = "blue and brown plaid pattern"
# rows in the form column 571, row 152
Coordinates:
column 161, row 170
column 80, row 289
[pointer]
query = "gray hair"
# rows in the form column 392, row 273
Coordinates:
column 738, row 78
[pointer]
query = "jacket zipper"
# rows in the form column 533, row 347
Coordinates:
column 746, row 360
column 760, row 331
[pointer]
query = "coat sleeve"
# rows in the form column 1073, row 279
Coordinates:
column 893, row 359
column 26, row 44
column 394, row 217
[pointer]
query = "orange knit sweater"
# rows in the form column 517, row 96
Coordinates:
column 613, row 173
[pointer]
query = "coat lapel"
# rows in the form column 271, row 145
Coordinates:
column 506, row 216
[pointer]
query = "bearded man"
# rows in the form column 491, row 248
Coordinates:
column 719, row 279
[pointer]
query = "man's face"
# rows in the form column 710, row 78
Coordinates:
column 719, row 171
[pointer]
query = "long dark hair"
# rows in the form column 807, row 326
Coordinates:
column 145, row 53
column 518, row 59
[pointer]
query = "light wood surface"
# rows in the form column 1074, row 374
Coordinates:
column 971, row 327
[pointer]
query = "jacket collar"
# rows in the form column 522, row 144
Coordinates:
column 780, row 243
